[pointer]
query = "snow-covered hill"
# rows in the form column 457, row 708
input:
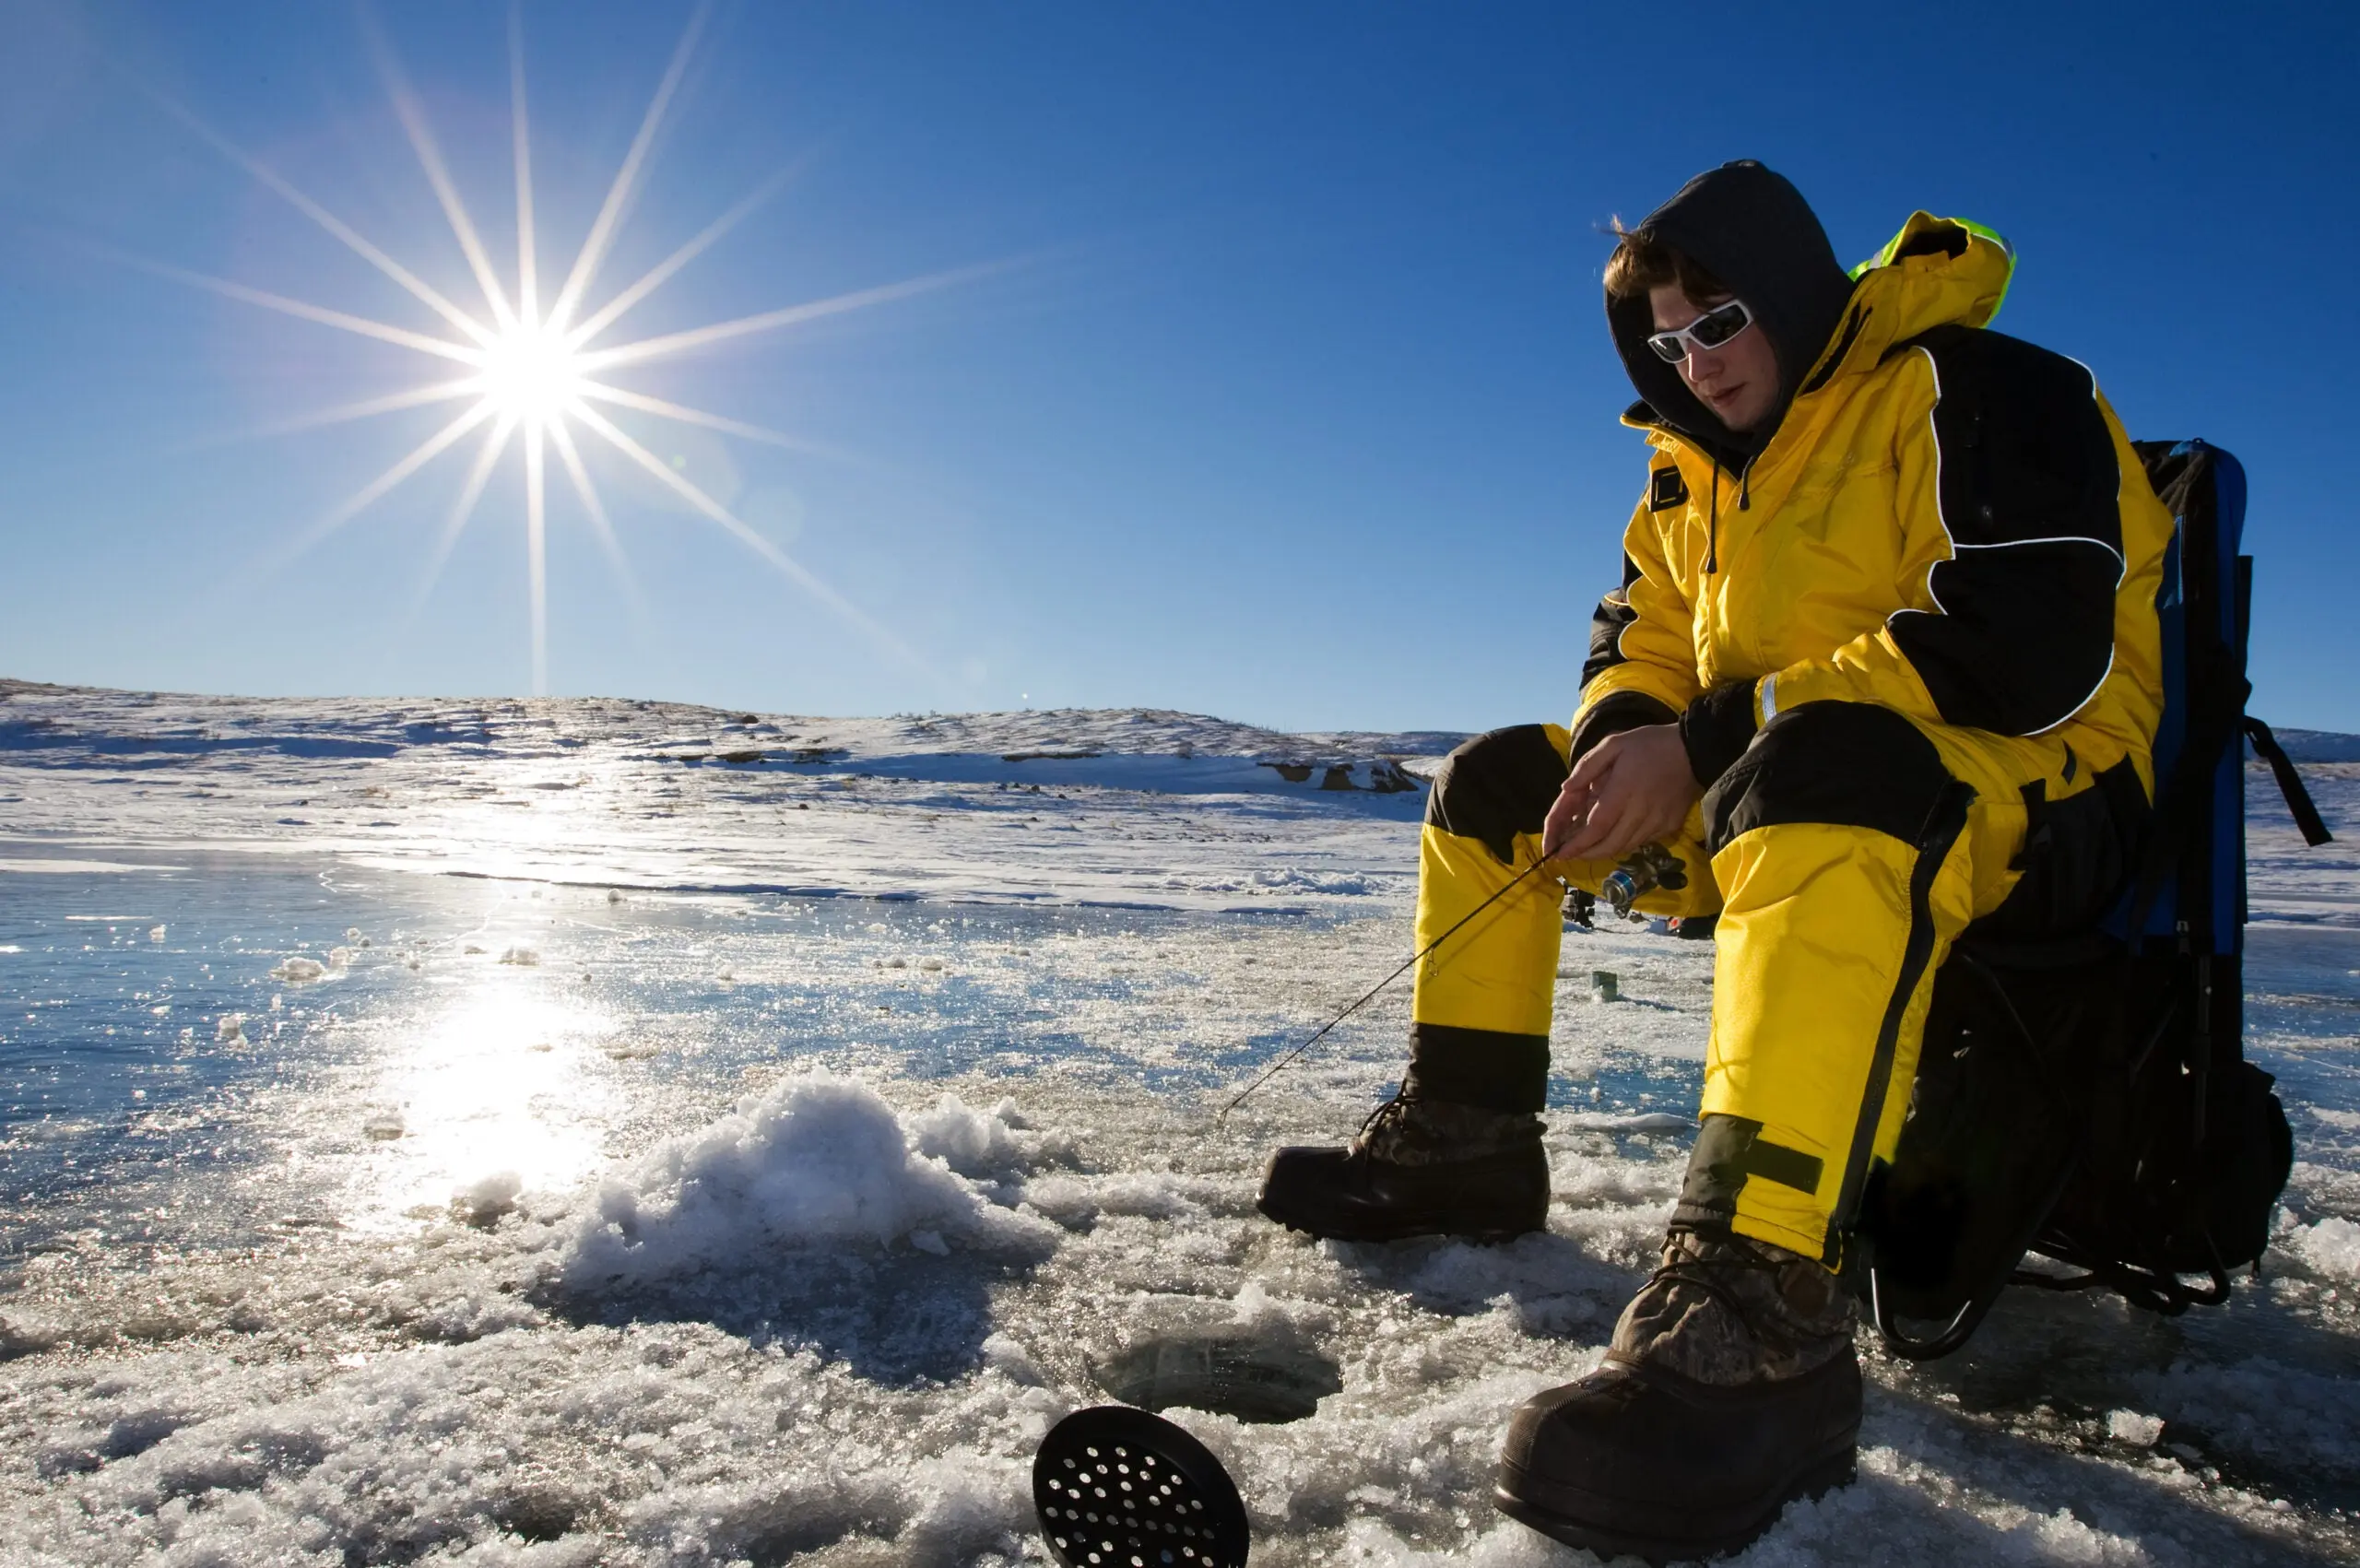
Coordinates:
column 1121, row 806
column 648, row 795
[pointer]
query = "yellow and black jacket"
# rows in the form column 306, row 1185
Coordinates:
column 1947, row 522
column 1908, row 633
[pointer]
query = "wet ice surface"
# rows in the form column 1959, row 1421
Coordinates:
column 677, row 1225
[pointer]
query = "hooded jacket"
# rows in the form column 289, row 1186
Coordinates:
column 1752, row 230
column 1937, row 518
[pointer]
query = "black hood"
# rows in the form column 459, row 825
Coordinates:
column 1752, row 230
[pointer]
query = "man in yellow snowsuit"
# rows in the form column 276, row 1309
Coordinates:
column 1883, row 664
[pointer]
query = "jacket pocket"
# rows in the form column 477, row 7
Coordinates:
column 2077, row 856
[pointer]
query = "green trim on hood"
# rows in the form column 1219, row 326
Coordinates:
column 1891, row 250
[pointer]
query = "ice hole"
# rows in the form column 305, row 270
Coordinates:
column 1251, row 1377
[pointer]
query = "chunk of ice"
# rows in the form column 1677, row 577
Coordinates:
column 488, row 1199
column 819, row 1159
column 2331, row 1247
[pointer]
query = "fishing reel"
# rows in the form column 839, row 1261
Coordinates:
column 1646, row 869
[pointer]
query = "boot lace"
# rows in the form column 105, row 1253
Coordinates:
column 1709, row 1272
column 1377, row 1122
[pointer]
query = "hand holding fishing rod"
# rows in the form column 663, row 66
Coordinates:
column 1624, row 796
column 1631, row 790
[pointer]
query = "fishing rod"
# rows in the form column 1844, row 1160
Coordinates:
column 1368, row 996
column 1650, row 867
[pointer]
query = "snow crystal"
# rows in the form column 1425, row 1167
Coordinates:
column 2129, row 1426
column 522, row 957
column 819, row 1159
column 296, row 970
column 230, row 1030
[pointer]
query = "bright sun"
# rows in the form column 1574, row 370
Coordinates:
column 536, row 370
column 532, row 375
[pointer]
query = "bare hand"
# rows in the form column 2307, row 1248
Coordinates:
column 1629, row 789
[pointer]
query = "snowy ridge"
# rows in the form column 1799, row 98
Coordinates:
column 1137, row 807
column 609, row 792
column 2316, row 746
column 70, row 726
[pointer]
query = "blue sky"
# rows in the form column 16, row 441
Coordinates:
column 1283, row 391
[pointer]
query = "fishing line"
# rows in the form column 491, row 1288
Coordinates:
column 1287, row 1060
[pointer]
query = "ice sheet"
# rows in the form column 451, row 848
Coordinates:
column 747, row 1225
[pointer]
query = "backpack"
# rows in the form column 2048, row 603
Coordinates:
column 2087, row 1099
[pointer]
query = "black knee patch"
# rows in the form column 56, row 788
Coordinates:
column 1478, row 1067
column 1497, row 787
column 1851, row 764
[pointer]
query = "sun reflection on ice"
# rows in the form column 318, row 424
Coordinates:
column 497, row 1086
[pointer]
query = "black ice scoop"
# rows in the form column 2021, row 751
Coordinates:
column 1117, row 1487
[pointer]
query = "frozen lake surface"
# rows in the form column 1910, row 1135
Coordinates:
column 569, row 1132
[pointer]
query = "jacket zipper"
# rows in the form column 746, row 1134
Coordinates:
column 1713, row 524
column 1713, row 512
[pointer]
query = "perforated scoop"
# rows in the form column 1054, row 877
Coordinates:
column 1117, row 1487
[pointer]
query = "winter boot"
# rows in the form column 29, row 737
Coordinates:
column 1729, row 1391
column 1420, row 1167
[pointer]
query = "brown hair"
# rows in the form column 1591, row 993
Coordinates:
column 1642, row 262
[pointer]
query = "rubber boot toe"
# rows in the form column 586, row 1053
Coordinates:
column 1637, row 1459
column 1349, row 1195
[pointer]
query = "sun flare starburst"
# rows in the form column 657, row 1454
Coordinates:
column 532, row 372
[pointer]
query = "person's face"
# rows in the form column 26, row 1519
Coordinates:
column 1738, row 380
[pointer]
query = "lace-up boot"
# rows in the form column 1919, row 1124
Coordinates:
column 1420, row 1167
column 1730, row 1389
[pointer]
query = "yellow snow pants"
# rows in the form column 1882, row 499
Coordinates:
column 1844, row 853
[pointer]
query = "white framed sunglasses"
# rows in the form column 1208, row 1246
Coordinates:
column 1709, row 331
